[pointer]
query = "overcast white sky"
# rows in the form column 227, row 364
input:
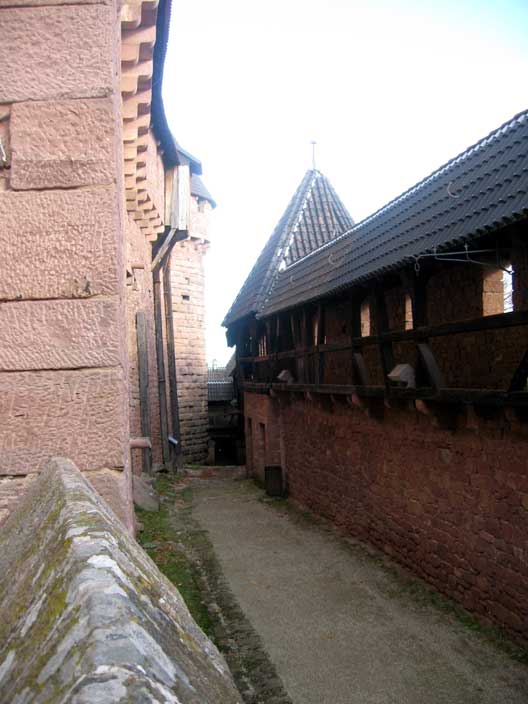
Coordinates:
column 389, row 89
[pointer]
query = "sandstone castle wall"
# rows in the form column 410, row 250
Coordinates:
column 188, row 309
column 63, row 360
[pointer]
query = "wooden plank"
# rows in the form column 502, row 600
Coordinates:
column 171, row 361
column 360, row 371
column 304, row 343
column 143, row 372
column 160, row 358
column 164, row 251
column 488, row 322
column 293, row 330
column 432, row 369
column 385, row 345
column 181, row 198
column 319, row 356
column 359, row 368
column 418, row 292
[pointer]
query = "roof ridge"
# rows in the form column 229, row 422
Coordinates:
column 299, row 230
column 280, row 227
column 315, row 175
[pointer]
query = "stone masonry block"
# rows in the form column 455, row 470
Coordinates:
column 79, row 414
column 59, row 334
column 64, row 51
column 58, row 244
column 115, row 487
column 62, row 143
column 11, row 491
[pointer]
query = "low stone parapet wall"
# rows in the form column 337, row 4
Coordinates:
column 86, row 616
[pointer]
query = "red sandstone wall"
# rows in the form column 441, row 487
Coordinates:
column 451, row 506
column 263, row 446
column 63, row 366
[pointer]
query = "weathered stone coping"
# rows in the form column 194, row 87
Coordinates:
column 86, row 616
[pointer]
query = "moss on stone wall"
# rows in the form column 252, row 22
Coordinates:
column 85, row 615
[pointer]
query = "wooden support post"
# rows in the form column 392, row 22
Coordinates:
column 296, row 337
column 269, row 349
column 240, row 346
column 417, row 285
column 143, row 372
column 276, row 345
column 160, row 358
column 360, row 375
column 436, row 378
column 319, row 340
column 304, row 344
column 520, row 377
column 385, row 347
column 171, row 357
column 293, row 331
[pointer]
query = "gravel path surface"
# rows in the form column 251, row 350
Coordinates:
column 340, row 626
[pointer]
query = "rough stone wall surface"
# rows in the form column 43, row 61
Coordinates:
column 455, row 293
column 63, row 366
column 264, row 446
column 499, row 353
column 139, row 296
column 395, row 301
column 451, row 506
column 86, row 616
column 188, row 306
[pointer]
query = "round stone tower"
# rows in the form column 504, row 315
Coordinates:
column 188, row 309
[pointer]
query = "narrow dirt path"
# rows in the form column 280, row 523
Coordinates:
column 340, row 626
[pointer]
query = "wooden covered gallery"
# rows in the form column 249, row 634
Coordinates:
column 384, row 367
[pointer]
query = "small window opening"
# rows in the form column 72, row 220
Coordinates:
column 408, row 312
column 497, row 291
column 185, row 297
column 507, row 281
column 365, row 319
column 263, row 345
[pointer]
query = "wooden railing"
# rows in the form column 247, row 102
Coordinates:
column 307, row 364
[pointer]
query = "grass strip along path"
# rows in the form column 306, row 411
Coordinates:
column 182, row 551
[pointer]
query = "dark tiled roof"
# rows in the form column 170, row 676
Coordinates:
column 220, row 390
column 199, row 190
column 314, row 216
column 220, row 384
column 478, row 191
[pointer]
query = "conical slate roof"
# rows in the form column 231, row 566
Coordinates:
column 314, row 217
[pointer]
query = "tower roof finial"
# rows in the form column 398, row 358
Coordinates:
column 313, row 143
